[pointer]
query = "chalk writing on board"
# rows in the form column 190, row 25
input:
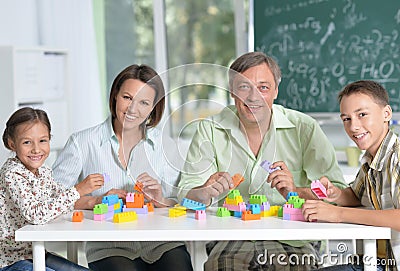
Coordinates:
column 322, row 45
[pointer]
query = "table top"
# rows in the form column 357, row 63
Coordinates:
column 158, row 226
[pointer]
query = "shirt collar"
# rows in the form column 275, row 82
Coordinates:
column 109, row 134
column 228, row 118
column 378, row 161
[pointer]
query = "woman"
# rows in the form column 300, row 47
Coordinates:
column 129, row 149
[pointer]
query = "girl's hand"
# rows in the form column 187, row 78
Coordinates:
column 91, row 183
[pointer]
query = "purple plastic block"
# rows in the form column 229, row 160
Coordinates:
column 142, row 211
column 265, row 206
column 266, row 165
column 106, row 177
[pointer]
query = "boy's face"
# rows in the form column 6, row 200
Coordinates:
column 31, row 144
column 365, row 121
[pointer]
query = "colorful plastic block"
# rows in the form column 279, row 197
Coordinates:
column 138, row 201
column 176, row 212
column 102, row 217
column 257, row 199
column 223, row 212
column 237, row 180
column 77, row 216
column 110, row 199
column 200, row 215
column 319, row 189
column 273, row 211
column 140, row 211
column 138, row 187
column 106, row 177
column 233, row 194
column 240, row 207
column 124, row 217
column 235, row 201
column 150, row 207
column 247, row 215
column 100, row 209
column 193, row 205
column 290, row 194
column 267, row 166
column 255, row 209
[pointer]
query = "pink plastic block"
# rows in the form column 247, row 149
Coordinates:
column 240, row 207
column 130, row 197
column 103, row 216
column 319, row 189
column 200, row 215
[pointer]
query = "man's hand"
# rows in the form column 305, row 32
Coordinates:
column 217, row 184
column 281, row 179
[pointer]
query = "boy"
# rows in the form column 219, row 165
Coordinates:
column 366, row 113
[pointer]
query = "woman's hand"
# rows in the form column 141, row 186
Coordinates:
column 152, row 191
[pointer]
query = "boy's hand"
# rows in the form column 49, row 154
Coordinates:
column 91, row 183
column 317, row 210
column 333, row 193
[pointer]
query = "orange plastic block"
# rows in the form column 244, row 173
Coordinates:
column 124, row 217
column 150, row 206
column 77, row 216
column 138, row 201
column 237, row 179
column 247, row 215
column 138, row 187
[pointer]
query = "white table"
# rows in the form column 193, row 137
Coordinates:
column 159, row 227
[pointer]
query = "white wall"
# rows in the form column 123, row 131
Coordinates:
column 62, row 24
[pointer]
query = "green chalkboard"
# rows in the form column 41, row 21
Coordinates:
column 321, row 45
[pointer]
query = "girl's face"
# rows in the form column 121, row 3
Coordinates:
column 31, row 144
column 135, row 101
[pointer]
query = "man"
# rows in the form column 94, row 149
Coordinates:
column 242, row 136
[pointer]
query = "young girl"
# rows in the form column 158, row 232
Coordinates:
column 28, row 192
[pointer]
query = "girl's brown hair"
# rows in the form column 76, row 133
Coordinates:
column 21, row 116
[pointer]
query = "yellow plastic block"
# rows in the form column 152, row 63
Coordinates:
column 124, row 217
column 273, row 211
column 234, row 201
column 176, row 212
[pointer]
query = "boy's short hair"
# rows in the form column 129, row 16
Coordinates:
column 368, row 87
